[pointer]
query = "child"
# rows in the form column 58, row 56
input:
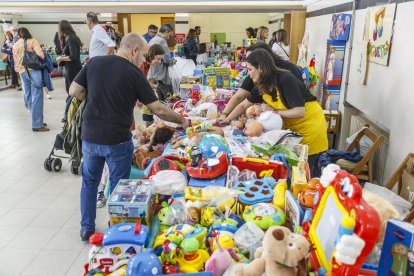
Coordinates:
column 147, row 117
column 202, row 57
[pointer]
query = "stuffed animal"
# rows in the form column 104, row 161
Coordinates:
column 220, row 260
column 282, row 254
column 270, row 121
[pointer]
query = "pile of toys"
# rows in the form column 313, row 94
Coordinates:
column 202, row 209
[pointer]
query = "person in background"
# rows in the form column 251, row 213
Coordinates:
column 262, row 34
column 31, row 78
column 101, row 44
column 71, row 45
column 109, row 29
column 250, row 32
column 16, row 37
column 147, row 116
column 7, row 49
column 154, row 57
column 202, row 57
column 198, row 30
column 58, row 52
column 152, row 31
column 190, row 45
column 281, row 46
column 160, row 71
column 289, row 98
column 272, row 40
column 114, row 84
column 47, row 81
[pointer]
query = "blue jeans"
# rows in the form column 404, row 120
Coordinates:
column 119, row 159
column 33, row 96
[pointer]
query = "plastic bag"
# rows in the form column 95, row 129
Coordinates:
column 168, row 182
column 400, row 204
column 182, row 68
column 248, row 238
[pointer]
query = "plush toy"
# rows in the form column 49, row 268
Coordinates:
column 220, row 260
column 253, row 129
column 282, row 254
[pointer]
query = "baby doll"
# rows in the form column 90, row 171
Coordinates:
column 156, row 146
column 270, row 120
column 253, row 111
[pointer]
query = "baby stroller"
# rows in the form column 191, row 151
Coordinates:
column 68, row 141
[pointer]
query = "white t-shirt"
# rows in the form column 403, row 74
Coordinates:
column 281, row 50
column 100, row 42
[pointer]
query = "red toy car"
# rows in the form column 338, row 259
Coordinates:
column 209, row 168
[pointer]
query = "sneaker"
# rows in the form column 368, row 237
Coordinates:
column 101, row 200
column 48, row 96
column 42, row 129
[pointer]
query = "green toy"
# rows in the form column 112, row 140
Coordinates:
column 264, row 215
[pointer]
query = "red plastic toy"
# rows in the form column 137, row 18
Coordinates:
column 206, row 171
column 259, row 165
column 342, row 200
column 168, row 162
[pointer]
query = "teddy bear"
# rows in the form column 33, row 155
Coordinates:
column 283, row 253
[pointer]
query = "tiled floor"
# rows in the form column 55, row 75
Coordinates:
column 39, row 210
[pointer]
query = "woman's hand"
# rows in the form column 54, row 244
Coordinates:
column 223, row 116
column 223, row 122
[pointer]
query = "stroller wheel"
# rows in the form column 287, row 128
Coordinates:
column 56, row 164
column 74, row 169
column 47, row 164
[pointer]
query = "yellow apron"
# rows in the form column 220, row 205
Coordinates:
column 312, row 126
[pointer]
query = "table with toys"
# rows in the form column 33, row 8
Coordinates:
column 236, row 200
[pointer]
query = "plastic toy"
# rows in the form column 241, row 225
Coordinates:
column 294, row 212
column 163, row 235
column 342, row 199
column 202, row 183
column 225, row 240
column 131, row 201
column 306, row 197
column 279, row 194
column 253, row 129
column 224, row 94
column 258, row 165
column 116, row 247
column 264, row 215
column 145, row 264
column 220, row 260
column 255, row 191
column 209, row 168
column 200, row 234
column 173, row 213
column 282, row 253
column 167, row 162
column 299, row 181
column 170, row 249
column 211, row 144
column 191, row 258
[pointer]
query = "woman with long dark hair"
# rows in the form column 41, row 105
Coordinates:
column 190, row 45
column 31, row 78
column 7, row 49
column 153, row 57
column 288, row 96
column 250, row 32
column 281, row 46
column 71, row 46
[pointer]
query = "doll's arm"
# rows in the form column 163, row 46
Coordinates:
column 259, row 252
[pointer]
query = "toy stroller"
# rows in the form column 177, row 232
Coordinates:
column 68, row 141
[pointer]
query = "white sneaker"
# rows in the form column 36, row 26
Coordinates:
column 101, row 200
column 49, row 96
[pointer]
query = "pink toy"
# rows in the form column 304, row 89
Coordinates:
column 220, row 260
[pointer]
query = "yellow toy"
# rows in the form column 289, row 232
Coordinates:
column 162, row 236
column 200, row 234
column 191, row 259
column 119, row 272
column 207, row 216
column 299, row 180
column 224, row 197
column 279, row 197
column 225, row 242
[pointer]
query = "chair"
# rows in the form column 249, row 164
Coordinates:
column 362, row 169
column 396, row 178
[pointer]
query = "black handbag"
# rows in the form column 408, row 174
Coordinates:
column 31, row 60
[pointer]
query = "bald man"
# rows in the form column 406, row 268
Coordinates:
column 113, row 84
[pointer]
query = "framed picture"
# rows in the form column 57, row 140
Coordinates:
column 330, row 98
column 381, row 22
column 334, row 63
column 340, row 26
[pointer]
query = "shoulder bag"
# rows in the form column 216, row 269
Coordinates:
column 31, row 60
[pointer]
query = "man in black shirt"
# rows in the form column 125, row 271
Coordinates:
column 111, row 86
column 248, row 86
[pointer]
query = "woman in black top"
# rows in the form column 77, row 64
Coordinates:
column 71, row 46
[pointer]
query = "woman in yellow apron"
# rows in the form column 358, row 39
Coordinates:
column 289, row 97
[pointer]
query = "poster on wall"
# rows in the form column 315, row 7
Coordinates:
column 334, row 63
column 330, row 98
column 340, row 26
column 380, row 28
column 179, row 38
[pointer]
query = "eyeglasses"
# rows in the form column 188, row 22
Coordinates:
column 152, row 32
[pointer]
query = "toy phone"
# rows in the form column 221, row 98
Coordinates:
column 341, row 203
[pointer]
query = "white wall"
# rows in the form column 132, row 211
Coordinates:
column 273, row 27
column 387, row 99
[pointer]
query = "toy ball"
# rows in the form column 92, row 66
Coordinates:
column 211, row 144
column 144, row 264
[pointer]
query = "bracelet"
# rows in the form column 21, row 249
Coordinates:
column 225, row 113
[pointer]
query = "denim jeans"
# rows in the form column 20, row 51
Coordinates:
column 119, row 159
column 33, row 95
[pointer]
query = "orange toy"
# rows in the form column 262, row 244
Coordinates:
column 306, row 196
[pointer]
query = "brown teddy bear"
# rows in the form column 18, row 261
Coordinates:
column 282, row 254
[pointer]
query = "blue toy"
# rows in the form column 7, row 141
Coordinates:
column 255, row 191
column 144, row 264
column 202, row 183
column 211, row 144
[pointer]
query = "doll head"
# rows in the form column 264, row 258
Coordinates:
column 253, row 129
column 253, row 111
column 161, row 136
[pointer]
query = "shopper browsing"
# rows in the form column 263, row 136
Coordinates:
column 160, row 71
column 281, row 46
column 152, row 31
column 101, row 44
column 262, row 34
column 114, row 84
column 289, row 97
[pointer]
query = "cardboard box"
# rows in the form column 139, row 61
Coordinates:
column 407, row 187
column 131, row 201
column 299, row 180
column 397, row 256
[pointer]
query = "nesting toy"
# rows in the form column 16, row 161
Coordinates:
column 255, row 191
